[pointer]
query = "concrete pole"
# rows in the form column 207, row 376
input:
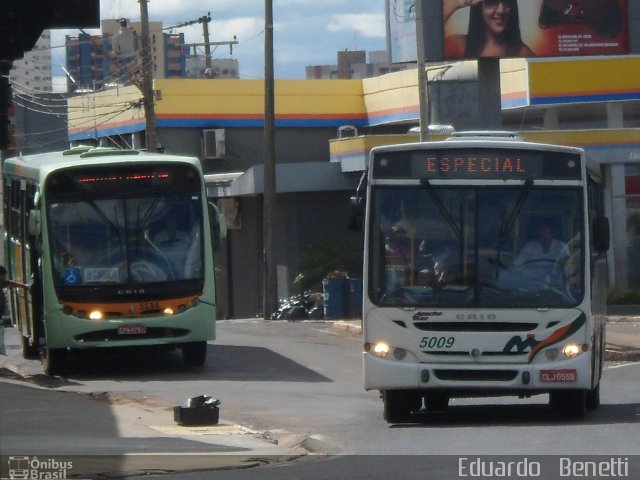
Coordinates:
column 207, row 46
column 423, row 85
column 489, row 99
column 147, row 81
column 270, row 274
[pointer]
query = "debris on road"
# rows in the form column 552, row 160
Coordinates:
column 201, row 410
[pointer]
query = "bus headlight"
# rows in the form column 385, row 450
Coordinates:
column 571, row 350
column 381, row 349
column 95, row 315
column 167, row 312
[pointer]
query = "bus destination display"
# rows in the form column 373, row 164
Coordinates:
column 476, row 164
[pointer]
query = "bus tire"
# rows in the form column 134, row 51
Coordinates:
column 398, row 405
column 29, row 352
column 53, row 360
column 194, row 353
column 593, row 398
column 569, row 403
column 436, row 402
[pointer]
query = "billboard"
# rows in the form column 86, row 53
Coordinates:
column 528, row 28
column 472, row 29
column 401, row 30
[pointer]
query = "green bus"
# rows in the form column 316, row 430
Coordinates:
column 109, row 248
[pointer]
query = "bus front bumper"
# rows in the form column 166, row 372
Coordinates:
column 385, row 374
column 65, row 331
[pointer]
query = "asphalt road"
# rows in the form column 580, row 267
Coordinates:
column 297, row 383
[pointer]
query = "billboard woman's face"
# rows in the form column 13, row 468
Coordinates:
column 496, row 15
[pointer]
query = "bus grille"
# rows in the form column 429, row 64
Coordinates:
column 111, row 335
column 462, row 353
column 475, row 326
column 476, row 375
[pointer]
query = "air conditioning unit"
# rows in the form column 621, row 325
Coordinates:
column 213, row 143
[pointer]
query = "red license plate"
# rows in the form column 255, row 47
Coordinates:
column 132, row 329
column 568, row 375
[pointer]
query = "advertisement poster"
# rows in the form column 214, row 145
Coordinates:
column 401, row 35
column 530, row 28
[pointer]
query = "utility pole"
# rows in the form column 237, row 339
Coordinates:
column 205, row 33
column 270, row 275
column 423, row 83
column 147, row 81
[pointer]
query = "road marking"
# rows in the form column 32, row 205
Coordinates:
column 624, row 364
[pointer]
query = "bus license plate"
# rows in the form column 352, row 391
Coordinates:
column 558, row 375
column 132, row 329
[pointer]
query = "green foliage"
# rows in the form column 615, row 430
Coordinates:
column 329, row 255
column 623, row 296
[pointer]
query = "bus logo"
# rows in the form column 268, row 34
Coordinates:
column 18, row 468
column 26, row 468
column 426, row 315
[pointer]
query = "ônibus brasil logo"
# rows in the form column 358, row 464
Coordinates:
column 34, row 468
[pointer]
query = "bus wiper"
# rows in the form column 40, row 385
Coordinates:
column 424, row 182
column 505, row 229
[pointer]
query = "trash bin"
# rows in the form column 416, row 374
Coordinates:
column 336, row 297
column 355, row 297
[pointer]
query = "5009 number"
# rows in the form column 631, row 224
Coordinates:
column 437, row 342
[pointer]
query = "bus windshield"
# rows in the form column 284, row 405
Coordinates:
column 125, row 241
column 473, row 246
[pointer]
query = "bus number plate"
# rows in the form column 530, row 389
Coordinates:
column 132, row 329
column 558, row 375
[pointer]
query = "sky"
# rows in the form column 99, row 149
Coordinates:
column 306, row 32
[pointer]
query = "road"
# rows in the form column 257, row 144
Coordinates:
column 301, row 383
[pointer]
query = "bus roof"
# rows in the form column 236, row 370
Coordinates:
column 38, row 166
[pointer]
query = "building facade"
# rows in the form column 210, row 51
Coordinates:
column 92, row 63
column 31, row 74
column 589, row 103
column 353, row 64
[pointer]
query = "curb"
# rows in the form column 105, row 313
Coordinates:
column 347, row 327
column 615, row 355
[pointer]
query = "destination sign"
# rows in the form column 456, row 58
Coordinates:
column 474, row 163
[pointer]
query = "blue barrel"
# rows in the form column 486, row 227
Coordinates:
column 355, row 297
column 336, row 297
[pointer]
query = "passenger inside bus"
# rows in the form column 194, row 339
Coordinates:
column 171, row 236
column 544, row 257
column 544, row 246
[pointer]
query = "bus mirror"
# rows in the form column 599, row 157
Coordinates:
column 355, row 223
column 218, row 225
column 601, row 235
column 34, row 222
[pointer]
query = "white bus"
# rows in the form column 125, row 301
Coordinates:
column 484, row 273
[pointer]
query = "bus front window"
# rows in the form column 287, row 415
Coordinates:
column 111, row 241
column 472, row 246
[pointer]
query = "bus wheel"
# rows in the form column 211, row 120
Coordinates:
column 593, row 398
column 29, row 352
column 569, row 403
column 398, row 405
column 53, row 360
column 436, row 402
column 194, row 353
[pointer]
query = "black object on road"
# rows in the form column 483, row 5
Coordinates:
column 201, row 410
